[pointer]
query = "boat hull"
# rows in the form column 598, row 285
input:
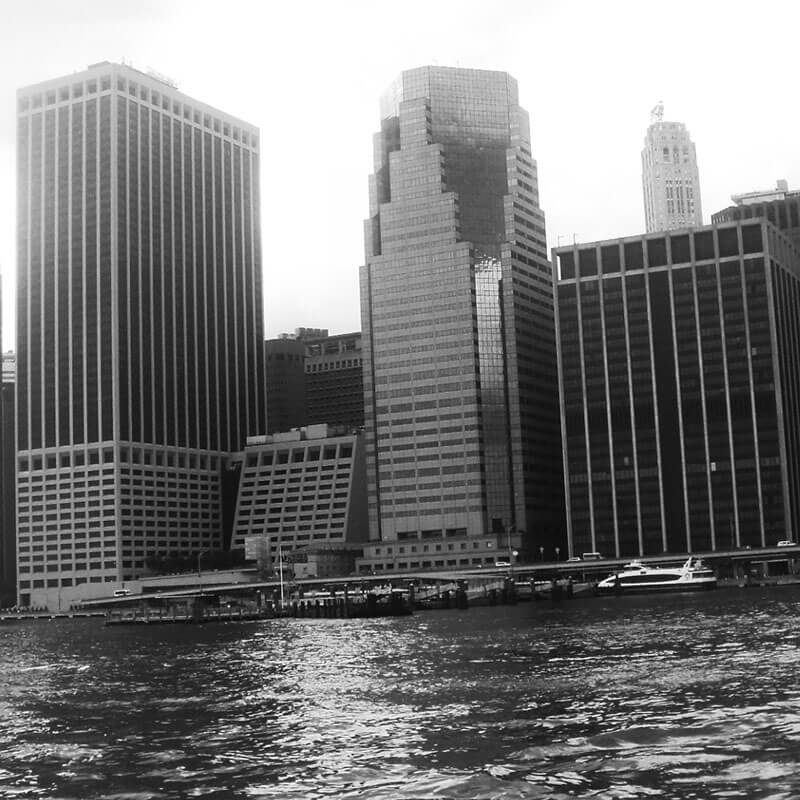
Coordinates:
column 658, row 588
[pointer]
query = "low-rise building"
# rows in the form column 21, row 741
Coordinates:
column 300, row 489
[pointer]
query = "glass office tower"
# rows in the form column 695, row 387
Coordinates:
column 457, row 325
column 139, row 325
column 680, row 390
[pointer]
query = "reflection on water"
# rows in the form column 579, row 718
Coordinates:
column 689, row 696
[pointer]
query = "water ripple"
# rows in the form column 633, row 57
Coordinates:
column 684, row 697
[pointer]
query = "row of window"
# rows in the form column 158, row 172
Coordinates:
column 156, row 98
column 127, row 455
column 450, row 562
column 683, row 248
column 54, row 583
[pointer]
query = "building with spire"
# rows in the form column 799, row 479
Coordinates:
column 670, row 178
column 463, row 455
column 139, row 325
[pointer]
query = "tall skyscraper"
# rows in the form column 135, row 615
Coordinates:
column 680, row 386
column 457, row 325
column 670, row 179
column 139, row 325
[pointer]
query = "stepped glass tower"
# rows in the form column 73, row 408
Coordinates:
column 139, row 325
column 457, row 325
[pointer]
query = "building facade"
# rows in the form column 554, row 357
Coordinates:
column 314, row 378
column 139, row 325
column 679, row 386
column 335, row 380
column 779, row 206
column 301, row 489
column 670, row 177
column 285, row 383
column 8, row 494
column 457, row 320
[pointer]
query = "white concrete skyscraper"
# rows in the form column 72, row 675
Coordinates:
column 139, row 325
column 670, row 179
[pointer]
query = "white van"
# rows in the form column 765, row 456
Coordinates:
column 591, row 556
column 121, row 592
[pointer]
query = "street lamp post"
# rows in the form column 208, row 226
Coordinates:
column 558, row 550
column 541, row 554
column 280, row 568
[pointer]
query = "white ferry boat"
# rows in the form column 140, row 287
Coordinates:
column 639, row 577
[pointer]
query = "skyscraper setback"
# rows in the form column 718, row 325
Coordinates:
column 670, row 178
column 457, row 326
column 139, row 324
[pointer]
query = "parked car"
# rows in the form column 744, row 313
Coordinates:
column 785, row 543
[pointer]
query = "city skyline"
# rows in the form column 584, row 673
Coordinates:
column 588, row 113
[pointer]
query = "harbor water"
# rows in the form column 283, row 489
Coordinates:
column 682, row 696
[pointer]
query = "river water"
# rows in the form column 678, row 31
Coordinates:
column 683, row 696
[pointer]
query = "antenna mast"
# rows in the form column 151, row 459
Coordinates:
column 657, row 112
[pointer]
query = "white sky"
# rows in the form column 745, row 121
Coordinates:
column 310, row 74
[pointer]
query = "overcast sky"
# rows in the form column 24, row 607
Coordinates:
column 310, row 75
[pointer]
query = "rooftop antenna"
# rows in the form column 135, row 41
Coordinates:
column 657, row 112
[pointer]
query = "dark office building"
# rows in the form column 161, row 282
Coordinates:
column 457, row 325
column 286, row 383
column 314, row 378
column 778, row 206
column 680, row 390
column 139, row 325
column 335, row 380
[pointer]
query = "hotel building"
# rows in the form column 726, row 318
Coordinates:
column 457, row 324
column 304, row 488
column 670, row 178
column 139, row 325
column 679, row 378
